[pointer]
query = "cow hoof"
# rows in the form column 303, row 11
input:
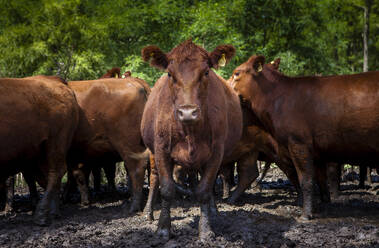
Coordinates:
column 164, row 234
column 206, row 236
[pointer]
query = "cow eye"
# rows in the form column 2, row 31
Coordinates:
column 236, row 74
column 206, row 73
column 169, row 74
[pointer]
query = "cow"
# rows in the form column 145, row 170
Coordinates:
column 192, row 118
column 255, row 144
column 38, row 118
column 316, row 119
column 112, row 73
column 109, row 130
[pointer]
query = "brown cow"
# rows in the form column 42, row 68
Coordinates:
column 109, row 129
column 112, row 73
column 38, row 118
column 192, row 118
column 317, row 119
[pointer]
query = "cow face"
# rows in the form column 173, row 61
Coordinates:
column 188, row 68
column 244, row 76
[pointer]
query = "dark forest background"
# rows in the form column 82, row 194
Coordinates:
column 81, row 39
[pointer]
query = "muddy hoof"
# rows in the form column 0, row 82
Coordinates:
column 206, row 236
column 85, row 203
column 164, row 234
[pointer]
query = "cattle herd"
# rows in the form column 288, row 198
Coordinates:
column 192, row 125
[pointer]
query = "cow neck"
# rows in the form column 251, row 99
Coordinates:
column 266, row 91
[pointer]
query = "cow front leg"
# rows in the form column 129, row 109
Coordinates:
column 167, row 189
column 204, row 193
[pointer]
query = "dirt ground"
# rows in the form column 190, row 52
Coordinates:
column 266, row 218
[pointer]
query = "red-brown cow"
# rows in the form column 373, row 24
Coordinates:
column 109, row 129
column 317, row 119
column 112, row 73
column 192, row 118
column 38, row 118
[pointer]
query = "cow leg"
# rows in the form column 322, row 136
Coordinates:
column 204, row 193
column 322, row 181
column 153, row 190
column 136, row 171
column 369, row 179
column 305, row 169
column 70, row 185
column 263, row 173
column 167, row 189
column 110, row 173
column 362, row 176
column 292, row 175
column 225, row 172
column 9, row 187
column 50, row 200
column 31, row 182
column 334, row 175
column 81, row 175
column 247, row 172
column 96, row 173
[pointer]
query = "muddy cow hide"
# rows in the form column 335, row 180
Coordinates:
column 38, row 118
column 317, row 119
column 109, row 130
column 192, row 118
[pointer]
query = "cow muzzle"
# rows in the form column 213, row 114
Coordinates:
column 188, row 113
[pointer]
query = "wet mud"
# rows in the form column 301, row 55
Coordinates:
column 266, row 217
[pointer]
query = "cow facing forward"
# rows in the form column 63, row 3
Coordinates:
column 317, row 119
column 192, row 118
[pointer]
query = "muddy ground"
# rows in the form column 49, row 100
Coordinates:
column 266, row 218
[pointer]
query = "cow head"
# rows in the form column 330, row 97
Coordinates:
column 126, row 74
column 112, row 73
column 243, row 76
column 275, row 64
column 188, row 68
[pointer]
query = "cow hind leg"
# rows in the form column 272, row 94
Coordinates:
column 81, row 175
column 9, row 187
column 303, row 162
column 31, row 182
column 153, row 190
column 110, row 173
column 136, row 171
column 322, row 181
column 49, row 204
column 247, row 172
column 96, row 173
column 362, row 176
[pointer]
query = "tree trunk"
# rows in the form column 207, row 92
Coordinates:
column 366, row 9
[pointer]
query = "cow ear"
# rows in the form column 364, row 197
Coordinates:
column 221, row 55
column 157, row 58
column 257, row 62
column 275, row 63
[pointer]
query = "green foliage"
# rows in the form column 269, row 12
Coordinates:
column 81, row 39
